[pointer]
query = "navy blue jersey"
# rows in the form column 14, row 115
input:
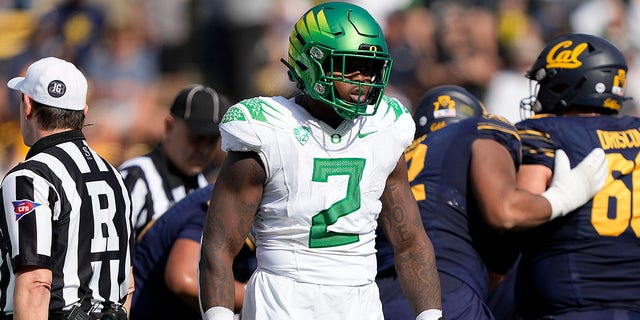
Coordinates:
column 439, row 173
column 591, row 257
column 185, row 220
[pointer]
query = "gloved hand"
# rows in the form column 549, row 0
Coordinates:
column 571, row 188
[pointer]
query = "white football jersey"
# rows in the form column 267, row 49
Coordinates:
column 317, row 219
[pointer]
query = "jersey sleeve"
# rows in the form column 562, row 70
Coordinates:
column 26, row 197
column 136, row 183
column 397, row 118
column 537, row 145
column 194, row 206
column 499, row 129
column 237, row 128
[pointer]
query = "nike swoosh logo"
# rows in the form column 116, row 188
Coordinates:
column 362, row 135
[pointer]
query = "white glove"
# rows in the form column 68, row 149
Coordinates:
column 430, row 314
column 571, row 188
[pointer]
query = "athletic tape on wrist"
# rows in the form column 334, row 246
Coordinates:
column 430, row 314
column 218, row 313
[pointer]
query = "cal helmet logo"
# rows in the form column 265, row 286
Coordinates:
column 56, row 88
column 445, row 107
column 22, row 207
column 565, row 55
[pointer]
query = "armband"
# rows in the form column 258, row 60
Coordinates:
column 430, row 314
column 218, row 313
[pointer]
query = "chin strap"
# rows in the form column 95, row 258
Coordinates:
column 293, row 76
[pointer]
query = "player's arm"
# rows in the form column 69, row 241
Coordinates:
column 534, row 178
column 493, row 181
column 181, row 273
column 234, row 203
column 413, row 251
column 32, row 293
column 506, row 206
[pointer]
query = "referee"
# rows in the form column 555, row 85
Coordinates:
column 66, row 214
column 178, row 164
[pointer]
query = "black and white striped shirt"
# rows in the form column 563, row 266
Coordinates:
column 66, row 209
column 155, row 184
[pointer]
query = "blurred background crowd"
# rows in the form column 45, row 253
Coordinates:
column 137, row 54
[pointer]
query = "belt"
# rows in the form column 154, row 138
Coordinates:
column 119, row 314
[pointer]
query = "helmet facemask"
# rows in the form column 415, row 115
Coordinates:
column 340, row 67
column 530, row 105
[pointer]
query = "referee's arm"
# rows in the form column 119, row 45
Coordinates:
column 32, row 293
column 132, row 288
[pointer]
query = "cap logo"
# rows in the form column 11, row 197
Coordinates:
column 56, row 88
column 567, row 59
column 448, row 106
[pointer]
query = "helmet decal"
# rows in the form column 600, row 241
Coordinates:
column 611, row 104
column 619, row 82
column 444, row 105
column 448, row 105
column 567, row 59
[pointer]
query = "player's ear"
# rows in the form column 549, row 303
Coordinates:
column 28, row 107
column 169, row 122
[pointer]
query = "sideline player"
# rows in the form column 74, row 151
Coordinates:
column 166, row 259
column 585, row 265
column 190, row 144
column 66, row 214
column 314, row 175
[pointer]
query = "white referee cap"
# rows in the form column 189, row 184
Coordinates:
column 53, row 82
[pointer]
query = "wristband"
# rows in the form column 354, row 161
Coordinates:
column 557, row 205
column 430, row 314
column 218, row 313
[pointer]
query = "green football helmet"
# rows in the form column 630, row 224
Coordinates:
column 342, row 38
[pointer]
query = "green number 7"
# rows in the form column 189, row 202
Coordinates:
column 319, row 237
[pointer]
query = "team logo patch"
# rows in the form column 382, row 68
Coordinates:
column 56, row 88
column 302, row 134
column 23, row 207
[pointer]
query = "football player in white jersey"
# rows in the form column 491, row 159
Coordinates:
column 312, row 176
